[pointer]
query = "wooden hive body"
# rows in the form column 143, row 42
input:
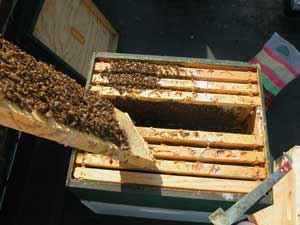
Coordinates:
column 204, row 123
column 75, row 26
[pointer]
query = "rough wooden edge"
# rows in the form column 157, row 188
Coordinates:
column 163, row 180
column 195, row 86
column 34, row 123
column 286, row 208
column 206, row 74
column 139, row 149
column 200, row 138
column 213, row 155
column 176, row 167
column 179, row 96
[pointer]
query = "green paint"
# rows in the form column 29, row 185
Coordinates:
column 269, row 85
column 137, row 195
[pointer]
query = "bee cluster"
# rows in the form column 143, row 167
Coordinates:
column 125, row 75
column 128, row 82
column 150, row 69
column 36, row 86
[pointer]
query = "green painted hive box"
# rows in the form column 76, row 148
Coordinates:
column 205, row 125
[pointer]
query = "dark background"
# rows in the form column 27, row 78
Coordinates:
column 231, row 30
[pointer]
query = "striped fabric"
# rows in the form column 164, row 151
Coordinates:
column 280, row 64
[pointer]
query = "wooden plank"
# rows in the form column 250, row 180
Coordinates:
column 196, row 86
column 34, row 123
column 168, row 181
column 200, row 138
column 178, row 96
column 286, row 207
column 207, row 154
column 176, row 167
column 198, row 74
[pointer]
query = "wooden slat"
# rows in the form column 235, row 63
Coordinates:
column 179, row 96
column 168, row 181
column 196, row 86
column 200, row 138
column 207, row 154
column 198, row 74
column 176, row 167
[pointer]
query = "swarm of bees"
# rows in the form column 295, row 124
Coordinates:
column 36, row 86
column 126, row 76
column 150, row 69
column 125, row 82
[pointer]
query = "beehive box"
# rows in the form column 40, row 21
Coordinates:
column 59, row 30
column 203, row 121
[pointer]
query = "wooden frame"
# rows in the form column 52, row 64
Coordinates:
column 217, row 161
column 204, row 74
column 178, row 96
column 168, row 167
column 12, row 116
column 201, row 86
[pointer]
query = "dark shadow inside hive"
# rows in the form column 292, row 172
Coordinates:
column 174, row 115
